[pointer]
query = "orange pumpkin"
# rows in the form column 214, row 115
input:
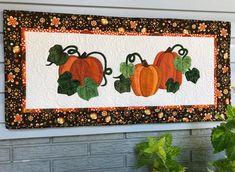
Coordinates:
column 165, row 61
column 145, row 80
column 80, row 68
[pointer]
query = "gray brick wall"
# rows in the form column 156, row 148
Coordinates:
column 99, row 153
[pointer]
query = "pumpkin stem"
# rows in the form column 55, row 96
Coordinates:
column 168, row 50
column 83, row 56
column 145, row 63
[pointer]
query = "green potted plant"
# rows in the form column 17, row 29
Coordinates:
column 159, row 154
column 223, row 139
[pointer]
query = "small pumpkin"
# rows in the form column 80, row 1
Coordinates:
column 165, row 61
column 146, row 79
column 83, row 67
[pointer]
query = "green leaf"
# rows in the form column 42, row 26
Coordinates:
column 224, row 165
column 172, row 86
column 158, row 153
column 66, row 85
column 230, row 112
column 173, row 151
column 57, row 56
column 182, row 64
column 160, row 149
column 168, row 138
column 223, row 137
column 127, row 69
column 192, row 75
column 230, row 153
column 88, row 90
column 122, row 85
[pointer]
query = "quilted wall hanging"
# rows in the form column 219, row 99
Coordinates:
column 64, row 70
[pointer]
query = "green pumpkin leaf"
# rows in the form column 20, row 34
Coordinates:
column 172, row 86
column 127, row 69
column 66, row 85
column 182, row 64
column 192, row 75
column 122, row 85
column 88, row 90
column 57, row 56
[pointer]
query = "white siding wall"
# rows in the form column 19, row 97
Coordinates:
column 183, row 9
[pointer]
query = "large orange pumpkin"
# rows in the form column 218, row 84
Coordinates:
column 80, row 68
column 145, row 80
column 165, row 61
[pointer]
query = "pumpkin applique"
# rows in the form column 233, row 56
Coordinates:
column 78, row 73
column 142, row 78
column 165, row 73
column 173, row 66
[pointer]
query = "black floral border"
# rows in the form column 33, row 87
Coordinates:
column 14, row 89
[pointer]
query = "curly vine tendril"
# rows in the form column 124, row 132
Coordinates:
column 107, row 71
column 132, row 57
column 182, row 51
column 72, row 49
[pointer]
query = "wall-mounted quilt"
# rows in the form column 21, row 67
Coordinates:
column 64, row 70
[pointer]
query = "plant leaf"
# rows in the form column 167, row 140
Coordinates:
column 160, row 149
column 172, row 86
column 88, row 90
column 66, row 85
column 158, row 153
column 230, row 112
column 223, row 137
column 173, row 151
column 230, row 153
column 182, row 64
column 192, row 75
column 127, row 69
column 168, row 138
column 57, row 56
column 122, row 85
column 224, row 165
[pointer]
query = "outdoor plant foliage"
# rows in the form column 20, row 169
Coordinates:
column 159, row 154
column 223, row 139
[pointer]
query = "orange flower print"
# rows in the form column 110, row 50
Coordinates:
column 133, row 24
column 207, row 117
column 190, row 110
column 93, row 23
column 219, row 93
column 185, row 119
column 10, row 77
column 55, row 21
column 18, row 118
column 202, row 27
column 225, row 69
column 171, row 119
column 224, row 32
column 12, row 21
